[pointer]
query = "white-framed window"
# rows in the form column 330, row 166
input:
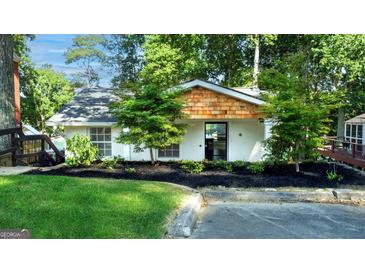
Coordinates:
column 101, row 137
column 353, row 133
column 172, row 151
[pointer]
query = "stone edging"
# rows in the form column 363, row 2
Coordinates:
column 320, row 195
column 182, row 225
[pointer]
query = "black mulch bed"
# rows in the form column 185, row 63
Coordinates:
column 312, row 175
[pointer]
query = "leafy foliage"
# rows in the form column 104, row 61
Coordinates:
column 299, row 113
column 221, row 164
column 239, row 164
column 86, row 51
column 332, row 176
column 130, row 170
column 256, row 167
column 111, row 163
column 125, row 58
column 150, row 116
column 80, row 151
column 192, row 166
column 48, row 92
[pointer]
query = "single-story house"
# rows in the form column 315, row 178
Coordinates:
column 355, row 132
column 224, row 123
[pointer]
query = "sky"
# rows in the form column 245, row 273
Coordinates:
column 50, row 49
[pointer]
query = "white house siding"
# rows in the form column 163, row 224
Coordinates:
column 244, row 141
column 248, row 146
column 118, row 149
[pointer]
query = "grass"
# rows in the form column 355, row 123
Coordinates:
column 68, row 207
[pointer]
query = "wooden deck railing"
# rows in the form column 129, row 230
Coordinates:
column 30, row 148
column 344, row 151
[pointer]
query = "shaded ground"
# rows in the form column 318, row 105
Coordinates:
column 312, row 175
column 280, row 221
column 60, row 207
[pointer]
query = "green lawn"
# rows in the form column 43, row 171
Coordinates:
column 69, row 207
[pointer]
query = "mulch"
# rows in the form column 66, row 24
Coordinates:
column 312, row 175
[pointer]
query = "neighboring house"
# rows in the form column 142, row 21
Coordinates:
column 355, row 131
column 224, row 123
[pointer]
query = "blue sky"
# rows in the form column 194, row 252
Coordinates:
column 50, row 49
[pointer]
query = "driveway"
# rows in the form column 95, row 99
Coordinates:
column 237, row 220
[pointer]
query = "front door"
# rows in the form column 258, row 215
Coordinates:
column 215, row 141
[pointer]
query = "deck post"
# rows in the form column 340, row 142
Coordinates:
column 353, row 150
column 41, row 154
column 13, row 153
column 333, row 146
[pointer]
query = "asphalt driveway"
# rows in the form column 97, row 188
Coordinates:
column 231, row 220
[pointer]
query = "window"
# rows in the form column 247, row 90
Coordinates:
column 102, row 138
column 359, row 131
column 172, row 151
column 348, row 130
column 353, row 133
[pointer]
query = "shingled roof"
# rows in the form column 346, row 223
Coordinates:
column 89, row 106
column 360, row 119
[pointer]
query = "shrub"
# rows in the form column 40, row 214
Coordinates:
column 239, row 164
column 111, row 163
column 256, row 167
column 130, row 170
column 332, row 176
column 80, row 151
column 221, row 164
column 192, row 167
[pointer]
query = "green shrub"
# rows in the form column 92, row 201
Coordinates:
column 256, row 167
column 80, row 151
column 130, row 170
column 192, row 167
column 332, row 176
column 221, row 164
column 239, row 164
column 111, row 163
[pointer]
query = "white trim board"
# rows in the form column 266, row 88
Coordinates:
column 79, row 124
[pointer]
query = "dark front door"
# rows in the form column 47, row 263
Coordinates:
column 216, row 141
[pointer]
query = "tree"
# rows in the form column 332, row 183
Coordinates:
column 227, row 60
column 86, row 51
column 342, row 59
column 256, row 40
column 49, row 92
column 300, row 113
column 7, row 113
column 125, row 58
column 150, row 116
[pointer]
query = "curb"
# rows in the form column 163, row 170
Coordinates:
column 183, row 224
column 320, row 195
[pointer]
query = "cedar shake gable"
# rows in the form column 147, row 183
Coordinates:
column 205, row 100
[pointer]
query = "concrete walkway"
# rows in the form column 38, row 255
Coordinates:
column 15, row 170
column 242, row 220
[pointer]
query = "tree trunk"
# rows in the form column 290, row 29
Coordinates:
column 152, row 158
column 256, row 61
column 7, row 111
column 341, row 123
column 297, row 166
